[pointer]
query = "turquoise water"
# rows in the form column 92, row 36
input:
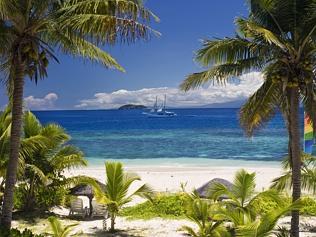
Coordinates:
column 194, row 136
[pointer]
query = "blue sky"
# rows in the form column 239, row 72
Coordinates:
column 158, row 65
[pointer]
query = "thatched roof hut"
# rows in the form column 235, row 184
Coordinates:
column 87, row 191
column 204, row 189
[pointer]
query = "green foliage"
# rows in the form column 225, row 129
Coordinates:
column 162, row 205
column 308, row 206
column 264, row 205
column 44, row 156
column 18, row 233
column 242, row 196
column 116, row 192
column 308, row 172
column 251, row 214
column 50, row 196
column 203, row 214
column 58, row 230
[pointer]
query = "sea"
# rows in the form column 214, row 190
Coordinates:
column 194, row 136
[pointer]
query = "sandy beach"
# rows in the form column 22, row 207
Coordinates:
column 169, row 177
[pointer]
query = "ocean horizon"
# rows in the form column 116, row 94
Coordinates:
column 192, row 136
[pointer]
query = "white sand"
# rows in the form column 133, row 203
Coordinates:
column 169, row 178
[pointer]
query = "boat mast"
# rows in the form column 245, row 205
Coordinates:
column 164, row 103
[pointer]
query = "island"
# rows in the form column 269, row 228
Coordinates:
column 132, row 106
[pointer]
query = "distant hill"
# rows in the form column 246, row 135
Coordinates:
column 231, row 104
column 132, row 106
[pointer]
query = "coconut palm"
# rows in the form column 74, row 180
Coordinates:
column 32, row 30
column 284, row 182
column 117, row 192
column 45, row 166
column 277, row 38
column 28, row 145
column 58, row 230
column 40, row 163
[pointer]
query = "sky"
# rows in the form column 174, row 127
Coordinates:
column 154, row 67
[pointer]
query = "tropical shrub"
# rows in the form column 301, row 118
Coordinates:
column 242, row 195
column 44, row 156
column 59, row 230
column 308, row 206
column 162, row 205
column 203, row 214
column 308, row 172
column 18, row 233
column 243, row 208
column 116, row 194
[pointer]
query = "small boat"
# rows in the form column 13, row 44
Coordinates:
column 160, row 111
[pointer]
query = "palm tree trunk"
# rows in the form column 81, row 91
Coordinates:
column 112, row 223
column 17, row 113
column 295, row 150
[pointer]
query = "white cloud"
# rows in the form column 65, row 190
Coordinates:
column 45, row 103
column 237, row 90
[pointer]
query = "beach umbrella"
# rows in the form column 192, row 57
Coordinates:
column 204, row 189
column 86, row 190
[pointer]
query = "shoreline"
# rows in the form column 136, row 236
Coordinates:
column 169, row 176
column 185, row 162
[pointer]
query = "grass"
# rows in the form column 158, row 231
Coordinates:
column 167, row 206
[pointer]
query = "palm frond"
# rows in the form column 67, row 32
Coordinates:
column 37, row 172
column 31, row 125
column 219, row 74
column 68, row 157
column 260, row 107
column 224, row 51
column 71, row 43
column 244, row 185
column 254, row 30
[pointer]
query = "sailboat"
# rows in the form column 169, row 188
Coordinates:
column 160, row 111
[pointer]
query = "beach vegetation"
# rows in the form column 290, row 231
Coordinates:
column 243, row 207
column 308, row 170
column 242, row 195
column 18, row 233
column 118, row 191
column 57, row 229
column 203, row 214
column 33, row 30
column 163, row 205
column 278, row 40
column 44, row 156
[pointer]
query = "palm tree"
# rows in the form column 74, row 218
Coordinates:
column 241, row 208
column 45, row 166
column 43, row 157
column 59, row 230
column 116, row 193
column 308, row 171
column 265, row 225
column 31, row 30
column 242, row 198
column 277, row 39
column 202, row 213
column 29, row 145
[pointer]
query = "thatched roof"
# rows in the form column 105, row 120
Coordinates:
column 204, row 189
column 85, row 190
